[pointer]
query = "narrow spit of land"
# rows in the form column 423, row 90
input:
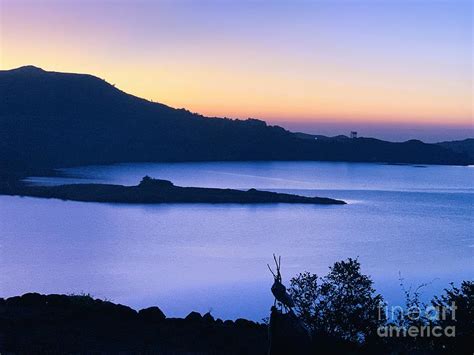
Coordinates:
column 153, row 191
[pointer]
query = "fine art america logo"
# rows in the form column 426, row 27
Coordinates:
column 417, row 321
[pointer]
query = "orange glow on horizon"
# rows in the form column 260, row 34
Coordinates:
column 240, row 79
column 320, row 102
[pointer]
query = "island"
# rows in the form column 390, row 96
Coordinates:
column 153, row 191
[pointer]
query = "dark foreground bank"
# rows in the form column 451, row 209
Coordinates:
column 158, row 191
column 60, row 324
column 79, row 324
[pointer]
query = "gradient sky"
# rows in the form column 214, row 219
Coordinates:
column 394, row 69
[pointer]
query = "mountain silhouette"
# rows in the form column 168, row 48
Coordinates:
column 51, row 119
column 465, row 146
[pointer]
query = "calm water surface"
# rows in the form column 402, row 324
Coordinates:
column 413, row 221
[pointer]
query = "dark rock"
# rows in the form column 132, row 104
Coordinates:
column 240, row 322
column 32, row 299
column 58, row 300
column 208, row 318
column 13, row 301
column 80, row 324
column 126, row 311
column 194, row 317
column 151, row 314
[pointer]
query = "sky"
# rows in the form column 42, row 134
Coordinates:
column 393, row 69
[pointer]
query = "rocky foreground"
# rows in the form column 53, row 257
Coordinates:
column 60, row 324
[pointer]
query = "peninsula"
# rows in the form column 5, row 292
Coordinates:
column 151, row 191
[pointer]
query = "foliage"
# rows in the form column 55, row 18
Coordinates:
column 458, row 306
column 342, row 304
column 415, row 314
column 451, row 314
column 343, row 308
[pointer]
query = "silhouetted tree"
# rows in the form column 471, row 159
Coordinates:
column 456, row 307
column 343, row 304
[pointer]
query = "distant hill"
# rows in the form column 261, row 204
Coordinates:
column 50, row 119
column 320, row 137
column 465, row 146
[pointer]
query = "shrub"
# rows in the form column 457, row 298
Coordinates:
column 342, row 304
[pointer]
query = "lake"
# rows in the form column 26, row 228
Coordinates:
column 413, row 221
